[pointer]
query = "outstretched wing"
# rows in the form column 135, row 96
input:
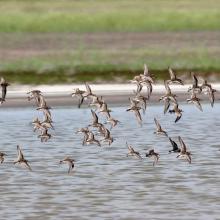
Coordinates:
column 166, row 105
column 20, row 154
column 174, row 144
column 198, row 105
column 27, row 165
column 195, row 80
column 157, row 124
column 107, row 133
column 137, row 155
column 178, row 118
column 130, row 148
column 189, row 159
column 71, row 166
column 211, row 96
column 41, row 101
column 4, row 91
column 172, row 74
column 88, row 89
column 156, row 158
column 182, row 145
column 138, row 116
column 146, row 72
column 95, row 117
column 167, row 87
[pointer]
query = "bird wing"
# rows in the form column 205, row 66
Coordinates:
column 183, row 146
column 195, row 80
column 130, row 148
column 172, row 74
column 167, row 87
column 137, row 155
column 107, row 133
column 189, row 159
column 107, row 114
column 71, row 165
column 138, row 116
column 156, row 158
column 80, row 101
column 211, row 96
column 88, row 89
column 166, row 105
column 198, row 105
column 139, row 88
column 27, row 165
column 4, row 91
column 174, row 144
column 151, row 152
column 157, row 124
column 47, row 113
column 20, row 154
column 149, row 88
column 95, row 117
column 146, row 72
column 41, row 101
column 178, row 117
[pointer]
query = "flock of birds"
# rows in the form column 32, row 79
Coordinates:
column 46, row 124
column 99, row 133
column 139, row 102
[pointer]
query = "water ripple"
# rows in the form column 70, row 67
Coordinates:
column 105, row 183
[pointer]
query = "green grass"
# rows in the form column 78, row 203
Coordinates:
column 61, row 62
column 118, row 60
column 87, row 67
column 108, row 15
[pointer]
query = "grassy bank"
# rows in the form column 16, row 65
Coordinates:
column 54, row 41
column 96, row 74
column 108, row 16
column 103, row 57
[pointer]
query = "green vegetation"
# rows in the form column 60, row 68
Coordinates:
column 60, row 76
column 107, row 65
column 78, row 68
column 63, row 41
column 108, row 15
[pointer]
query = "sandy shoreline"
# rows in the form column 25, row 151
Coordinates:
column 60, row 95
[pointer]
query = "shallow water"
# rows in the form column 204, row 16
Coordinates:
column 105, row 183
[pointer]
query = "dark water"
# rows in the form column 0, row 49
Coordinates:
column 106, row 184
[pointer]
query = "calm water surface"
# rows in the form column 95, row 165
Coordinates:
column 106, row 184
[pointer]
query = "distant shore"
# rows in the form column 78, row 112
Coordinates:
column 62, row 58
column 118, row 94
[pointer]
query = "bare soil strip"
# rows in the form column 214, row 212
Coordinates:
column 27, row 45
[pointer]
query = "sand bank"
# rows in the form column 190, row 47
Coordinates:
column 60, row 95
